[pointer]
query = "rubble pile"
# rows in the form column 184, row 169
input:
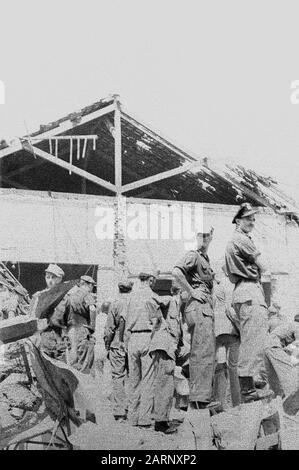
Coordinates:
column 20, row 402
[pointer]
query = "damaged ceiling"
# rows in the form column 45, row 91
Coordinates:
column 144, row 154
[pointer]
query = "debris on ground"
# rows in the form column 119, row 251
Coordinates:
column 20, row 402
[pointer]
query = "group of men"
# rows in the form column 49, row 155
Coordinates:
column 66, row 331
column 144, row 338
column 230, row 334
column 229, row 327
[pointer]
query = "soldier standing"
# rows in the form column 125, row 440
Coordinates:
column 244, row 271
column 140, row 317
column 165, row 344
column 113, row 338
column 194, row 274
column 50, row 336
column 227, row 344
column 76, row 314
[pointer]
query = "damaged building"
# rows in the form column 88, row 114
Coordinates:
column 100, row 192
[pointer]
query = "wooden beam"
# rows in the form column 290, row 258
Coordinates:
column 67, row 125
column 69, row 167
column 67, row 137
column 161, row 176
column 10, row 150
column 143, row 128
column 117, row 148
column 62, row 127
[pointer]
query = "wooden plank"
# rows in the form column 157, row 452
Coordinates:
column 11, row 149
column 67, row 125
column 161, row 176
column 117, row 150
column 67, row 137
column 67, row 166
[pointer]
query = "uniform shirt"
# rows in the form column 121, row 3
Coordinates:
column 111, row 331
column 73, row 310
column 196, row 268
column 223, row 309
column 34, row 301
column 142, row 309
column 284, row 334
column 240, row 258
column 167, row 333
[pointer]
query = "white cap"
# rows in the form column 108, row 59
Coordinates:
column 55, row 269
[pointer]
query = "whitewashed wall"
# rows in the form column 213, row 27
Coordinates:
column 41, row 228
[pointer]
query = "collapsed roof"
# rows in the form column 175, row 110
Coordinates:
column 84, row 144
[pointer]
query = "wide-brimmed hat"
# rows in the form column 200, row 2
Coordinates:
column 245, row 210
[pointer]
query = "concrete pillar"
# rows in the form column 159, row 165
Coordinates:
column 119, row 244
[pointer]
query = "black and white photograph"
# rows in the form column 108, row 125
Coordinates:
column 149, row 228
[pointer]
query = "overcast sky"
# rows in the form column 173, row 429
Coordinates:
column 213, row 75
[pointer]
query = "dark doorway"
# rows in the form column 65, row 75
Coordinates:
column 31, row 275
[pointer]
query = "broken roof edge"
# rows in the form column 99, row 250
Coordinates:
column 75, row 115
column 223, row 167
column 16, row 144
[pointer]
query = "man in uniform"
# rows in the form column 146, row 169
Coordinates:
column 164, row 348
column 76, row 315
column 194, row 274
column 244, row 271
column 227, row 343
column 142, row 311
column 117, row 354
column 280, row 362
column 50, row 338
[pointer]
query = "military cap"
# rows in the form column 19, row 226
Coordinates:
column 88, row 279
column 125, row 286
column 245, row 210
column 55, row 269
